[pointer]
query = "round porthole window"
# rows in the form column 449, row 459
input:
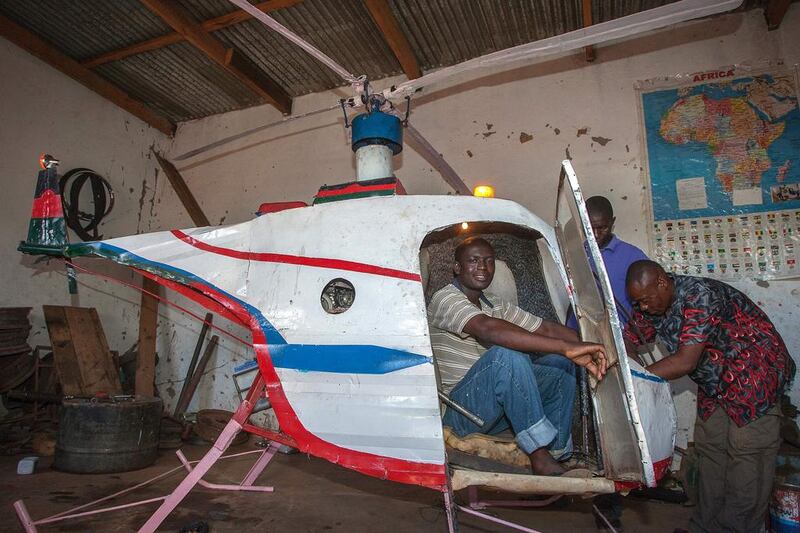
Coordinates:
column 337, row 296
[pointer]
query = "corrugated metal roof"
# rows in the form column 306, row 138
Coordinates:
column 86, row 28
column 446, row 32
column 180, row 83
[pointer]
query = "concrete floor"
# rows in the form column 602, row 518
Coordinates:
column 310, row 495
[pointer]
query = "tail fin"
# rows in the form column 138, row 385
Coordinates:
column 47, row 231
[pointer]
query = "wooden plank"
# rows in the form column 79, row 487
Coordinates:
column 382, row 15
column 217, row 23
column 182, row 190
column 64, row 358
column 81, row 356
column 148, row 328
column 95, row 362
column 53, row 57
column 774, row 13
column 587, row 21
column 228, row 58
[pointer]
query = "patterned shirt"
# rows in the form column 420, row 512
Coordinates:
column 744, row 366
column 448, row 313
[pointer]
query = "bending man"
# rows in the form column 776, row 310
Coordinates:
column 722, row 340
column 481, row 345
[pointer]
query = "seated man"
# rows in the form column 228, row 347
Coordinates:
column 481, row 346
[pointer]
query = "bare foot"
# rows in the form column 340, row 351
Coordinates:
column 543, row 463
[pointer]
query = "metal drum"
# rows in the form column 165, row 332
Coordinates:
column 784, row 509
column 113, row 435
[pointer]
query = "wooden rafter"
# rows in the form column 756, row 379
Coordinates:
column 587, row 21
column 382, row 15
column 774, row 13
column 228, row 58
column 56, row 59
column 207, row 26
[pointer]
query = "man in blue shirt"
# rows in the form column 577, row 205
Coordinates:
column 617, row 254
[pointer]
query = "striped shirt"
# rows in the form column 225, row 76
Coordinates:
column 454, row 350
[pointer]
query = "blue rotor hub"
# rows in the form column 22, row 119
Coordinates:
column 377, row 127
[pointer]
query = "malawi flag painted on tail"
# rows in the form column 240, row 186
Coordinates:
column 47, row 231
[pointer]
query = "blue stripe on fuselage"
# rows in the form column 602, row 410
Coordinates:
column 344, row 358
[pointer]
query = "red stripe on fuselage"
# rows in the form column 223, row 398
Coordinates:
column 337, row 264
column 425, row 474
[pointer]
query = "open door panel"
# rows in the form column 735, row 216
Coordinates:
column 623, row 442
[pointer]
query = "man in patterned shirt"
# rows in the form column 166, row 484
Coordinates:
column 722, row 340
column 481, row 344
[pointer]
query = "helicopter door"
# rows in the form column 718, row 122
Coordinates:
column 625, row 452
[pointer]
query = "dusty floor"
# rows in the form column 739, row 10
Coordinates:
column 310, row 495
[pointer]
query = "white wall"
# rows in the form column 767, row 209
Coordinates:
column 41, row 109
column 549, row 101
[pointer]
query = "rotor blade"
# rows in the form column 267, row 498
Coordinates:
column 426, row 150
column 251, row 131
column 630, row 25
column 313, row 51
column 435, row 158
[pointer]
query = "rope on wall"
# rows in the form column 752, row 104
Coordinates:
column 102, row 198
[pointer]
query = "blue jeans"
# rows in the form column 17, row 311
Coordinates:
column 532, row 395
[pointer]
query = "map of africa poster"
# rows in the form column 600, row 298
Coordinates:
column 723, row 169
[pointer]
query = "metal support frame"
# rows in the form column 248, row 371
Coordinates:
column 476, row 503
column 194, row 476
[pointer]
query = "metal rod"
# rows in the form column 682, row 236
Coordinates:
column 585, row 410
column 491, row 518
column 180, row 407
column 610, row 527
column 475, row 419
column 184, row 402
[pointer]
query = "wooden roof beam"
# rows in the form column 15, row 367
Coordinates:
column 56, row 59
column 774, row 13
column 182, row 190
column 228, row 58
column 587, row 21
column 394, row 36
column 210, row 25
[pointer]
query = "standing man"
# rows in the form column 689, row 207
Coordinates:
column 481, row 344
column 617, row 254
column 722, row 340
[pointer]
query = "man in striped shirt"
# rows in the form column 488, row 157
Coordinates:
column 482, row 344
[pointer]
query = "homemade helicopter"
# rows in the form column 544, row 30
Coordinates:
column 334, row 297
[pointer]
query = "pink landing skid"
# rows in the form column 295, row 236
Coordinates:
column 194, row 476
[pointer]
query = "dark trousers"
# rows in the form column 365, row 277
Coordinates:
column 736, row 467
